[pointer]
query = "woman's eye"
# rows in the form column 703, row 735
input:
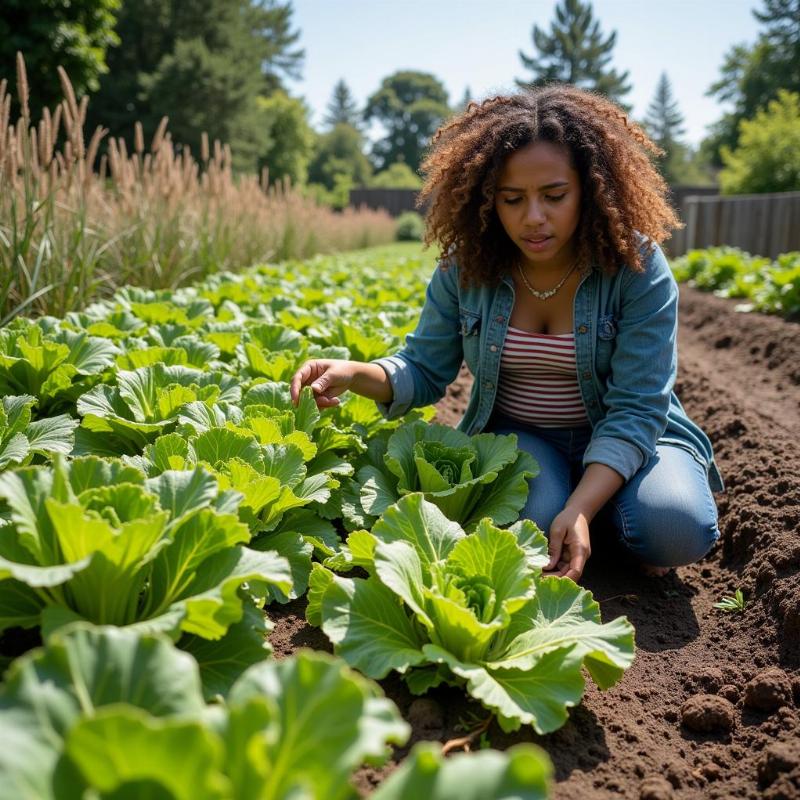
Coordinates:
column 555, row 198
column 512, row 201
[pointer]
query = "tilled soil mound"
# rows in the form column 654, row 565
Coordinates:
column 711, row 706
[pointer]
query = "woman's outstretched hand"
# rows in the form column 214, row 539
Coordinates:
column 569, row 544
column 327, row 377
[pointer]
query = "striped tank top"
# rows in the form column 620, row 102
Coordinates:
column 538, row 382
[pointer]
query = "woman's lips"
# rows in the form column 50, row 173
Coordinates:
column 536, row 244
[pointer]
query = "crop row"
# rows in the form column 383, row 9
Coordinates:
column 159, row 490
column 772, row 287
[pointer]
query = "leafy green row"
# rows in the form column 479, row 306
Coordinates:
column 772, row 287
column 186, row 492
column 106, row 712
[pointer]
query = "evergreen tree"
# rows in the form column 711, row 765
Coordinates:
column 270, row 23
column 575, row 52
column 342, row 108
column 465, row 100
column 664, row 124
column 751, row 76
column 411, row 106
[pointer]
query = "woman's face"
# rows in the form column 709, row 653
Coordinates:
column 538, row 199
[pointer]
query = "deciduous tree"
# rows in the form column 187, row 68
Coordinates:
column 339, row 152
column 767, row 158
column 73, row 34
column 202, row 63
column 410, row 106
column 752, row 75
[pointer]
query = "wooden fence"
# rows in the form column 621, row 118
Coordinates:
column 762, row 224
column 395, row 201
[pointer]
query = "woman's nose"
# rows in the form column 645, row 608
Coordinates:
column 534, row 212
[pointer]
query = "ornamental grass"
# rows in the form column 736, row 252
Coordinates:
column 76, row 224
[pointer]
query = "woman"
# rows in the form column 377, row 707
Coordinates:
column 555, row 292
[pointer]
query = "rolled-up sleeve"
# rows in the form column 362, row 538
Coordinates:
column 643, row 370
column 420, row 373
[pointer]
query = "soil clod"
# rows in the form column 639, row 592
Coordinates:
column 769, row 690
column 708, row 713
column 779, row 758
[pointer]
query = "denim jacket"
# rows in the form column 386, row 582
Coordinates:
column 625, row 328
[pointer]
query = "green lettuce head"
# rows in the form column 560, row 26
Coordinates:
column 467, row 477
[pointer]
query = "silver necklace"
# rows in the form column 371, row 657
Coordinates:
column 550, row 292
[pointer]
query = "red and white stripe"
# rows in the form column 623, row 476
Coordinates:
column 538, row 381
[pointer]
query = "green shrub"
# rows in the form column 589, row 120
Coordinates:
column 410, row 227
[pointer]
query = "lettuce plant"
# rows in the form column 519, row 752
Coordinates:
column 21, row 439
column 145, row 402
column 467, row 477
column 88, row 540
column 54, row 368
column 521, row 772
column 475, row 610
column 102, row 712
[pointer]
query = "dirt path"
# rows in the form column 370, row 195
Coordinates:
column 735, row 675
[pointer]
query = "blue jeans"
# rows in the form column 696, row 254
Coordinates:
column 664, row 515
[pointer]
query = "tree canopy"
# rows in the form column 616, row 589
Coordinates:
column 411, row 106
column 74, row 34
column 751, row 76
column 223, row 54
column 767, row 158
column 340, row 152
column 575, row 52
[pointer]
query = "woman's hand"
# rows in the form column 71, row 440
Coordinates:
column 569, row 532
column 569, row 544
column 327, row 377
column 330, row 377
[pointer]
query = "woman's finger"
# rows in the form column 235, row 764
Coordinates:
column 326, row 401
column 298, row 380
column 554, row 546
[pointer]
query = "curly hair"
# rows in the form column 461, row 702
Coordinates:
column 622, row 193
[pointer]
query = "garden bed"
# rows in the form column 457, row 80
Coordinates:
column 735, row 673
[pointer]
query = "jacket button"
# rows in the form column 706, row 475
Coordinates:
column 586, row 374
column 500, row 318
column 493, row 348
column 488, row 385
column 582, row 329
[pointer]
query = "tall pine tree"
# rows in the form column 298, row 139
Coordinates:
column 342, row 108
column 575, row 52
column 664, row 124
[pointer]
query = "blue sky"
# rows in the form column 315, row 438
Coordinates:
column 475, row 43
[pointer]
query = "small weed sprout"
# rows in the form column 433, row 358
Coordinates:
column 736, row 603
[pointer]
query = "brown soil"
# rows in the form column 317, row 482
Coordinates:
column 711, row 706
